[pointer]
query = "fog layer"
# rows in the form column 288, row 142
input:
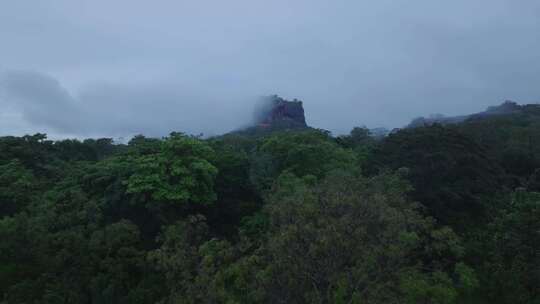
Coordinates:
column 117, row 68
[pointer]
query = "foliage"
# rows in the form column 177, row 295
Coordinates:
column 435, row 214
column 304, row 153
column 511, row 243
column 179, row 172
column 451, row 174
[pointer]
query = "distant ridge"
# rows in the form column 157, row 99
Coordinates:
column 506, row 108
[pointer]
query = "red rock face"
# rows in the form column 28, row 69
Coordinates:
column 282, row 113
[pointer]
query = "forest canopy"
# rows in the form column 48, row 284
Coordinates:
column 438, row 213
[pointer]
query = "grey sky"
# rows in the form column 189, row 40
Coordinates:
column 117, row 68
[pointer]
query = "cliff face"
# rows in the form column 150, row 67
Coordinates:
column 277, row 112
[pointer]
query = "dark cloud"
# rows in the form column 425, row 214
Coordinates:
column 116, row 110
column 40, row 99
column 122, row 67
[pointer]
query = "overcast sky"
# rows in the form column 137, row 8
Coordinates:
column 122, row 67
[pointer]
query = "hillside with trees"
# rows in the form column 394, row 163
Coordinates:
column 435, row 213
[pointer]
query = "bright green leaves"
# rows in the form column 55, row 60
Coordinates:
column 308, row 153
column 179, row 172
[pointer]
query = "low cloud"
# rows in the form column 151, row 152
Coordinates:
column 198, row 66
column 117, row 110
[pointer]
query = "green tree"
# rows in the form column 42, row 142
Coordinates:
column 311, row 152
column 178, row 259
column 17, row 187
column 180, row 172
column 452, row 175
column 510, row 245
column 350, row 239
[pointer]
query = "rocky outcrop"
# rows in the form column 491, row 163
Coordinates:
column 276, row 112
